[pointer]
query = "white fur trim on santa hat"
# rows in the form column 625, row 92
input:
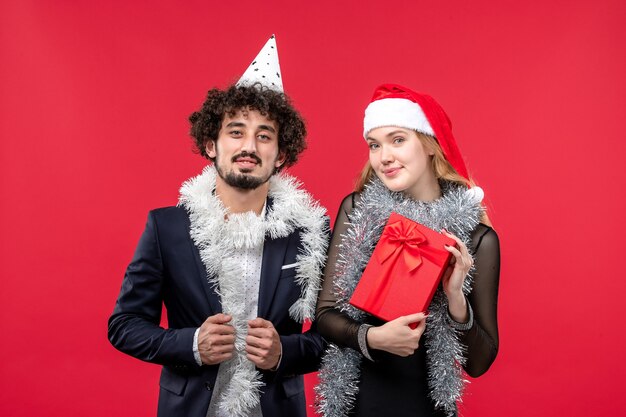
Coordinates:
column 398, row 112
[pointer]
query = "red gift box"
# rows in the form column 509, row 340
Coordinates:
column 404, row 271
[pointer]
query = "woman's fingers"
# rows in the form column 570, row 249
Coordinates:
column 461, row 254
column 411, row 318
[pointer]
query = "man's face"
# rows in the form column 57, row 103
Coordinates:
column 246, row 151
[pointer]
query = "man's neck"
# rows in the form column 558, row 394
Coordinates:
column 238, row 200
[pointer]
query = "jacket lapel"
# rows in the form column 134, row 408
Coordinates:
column 273, row 255
column 211, row 295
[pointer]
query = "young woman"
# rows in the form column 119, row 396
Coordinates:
column 373, row 368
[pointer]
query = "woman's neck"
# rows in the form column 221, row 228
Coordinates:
column 426, row 190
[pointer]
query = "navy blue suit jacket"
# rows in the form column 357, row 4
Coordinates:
column 166, row 268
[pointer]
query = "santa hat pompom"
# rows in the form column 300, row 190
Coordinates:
column 476, row 194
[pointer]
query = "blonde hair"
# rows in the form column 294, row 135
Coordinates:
column 442, row 168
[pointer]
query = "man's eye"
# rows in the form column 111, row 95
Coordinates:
column 264, row 137
column 236, row 132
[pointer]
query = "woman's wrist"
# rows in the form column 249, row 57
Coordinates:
column 372, row 337
column 457, row 308
column 465, row 326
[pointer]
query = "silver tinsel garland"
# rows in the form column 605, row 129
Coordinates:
column 218, row 239
column 458, row 212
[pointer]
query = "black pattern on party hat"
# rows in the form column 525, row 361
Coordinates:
column 264, row 69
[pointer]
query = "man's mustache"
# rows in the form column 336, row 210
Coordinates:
column 245, row 154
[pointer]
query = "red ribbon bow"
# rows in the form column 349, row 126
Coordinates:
column 404, row 239
column 400, row 239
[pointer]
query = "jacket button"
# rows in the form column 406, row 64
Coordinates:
column 207, row 385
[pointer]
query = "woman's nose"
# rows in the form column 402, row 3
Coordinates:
column 386, row 155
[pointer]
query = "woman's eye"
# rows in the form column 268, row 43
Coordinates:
column 373, row 146
column 398, row 139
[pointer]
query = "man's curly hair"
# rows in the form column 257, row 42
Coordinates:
column 206, row 123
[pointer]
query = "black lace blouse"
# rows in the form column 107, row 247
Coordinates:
column 393, row 385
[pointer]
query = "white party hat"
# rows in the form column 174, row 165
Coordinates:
column 265, row 68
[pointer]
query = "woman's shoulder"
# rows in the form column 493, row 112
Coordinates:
column 485, row 236
column 350, row 201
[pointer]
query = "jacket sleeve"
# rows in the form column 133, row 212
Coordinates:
column 134, row 325
column 302, row 353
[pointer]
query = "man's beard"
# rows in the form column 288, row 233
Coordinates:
column 243, row 180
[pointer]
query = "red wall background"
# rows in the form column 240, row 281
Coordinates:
column 94, row 99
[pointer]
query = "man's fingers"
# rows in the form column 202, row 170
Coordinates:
column 217, row 358
column 223, row 329
column 260, row 332
column 261, row 358
column 214, row 330
column 222, row 340
column 218, row 319
column 256, row 351
column 217, row 324
column 256, row 360
column 259, row 322
column 220, row 349
column 260, row 342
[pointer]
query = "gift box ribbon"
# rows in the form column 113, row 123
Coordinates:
column 401, row 240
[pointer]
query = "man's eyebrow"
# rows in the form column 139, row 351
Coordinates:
column 268, row 128
column 236, row 124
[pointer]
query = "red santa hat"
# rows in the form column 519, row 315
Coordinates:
column 395, row 105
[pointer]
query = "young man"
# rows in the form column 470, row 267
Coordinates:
column 237, row 264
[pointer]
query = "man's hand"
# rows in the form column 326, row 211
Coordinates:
column 263, row 344
column 216, row 339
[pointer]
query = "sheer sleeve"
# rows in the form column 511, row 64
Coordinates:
column 482, row 338
column 332, row 324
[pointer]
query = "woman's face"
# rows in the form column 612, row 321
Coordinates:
column 402, row 163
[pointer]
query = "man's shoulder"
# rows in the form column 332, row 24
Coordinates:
column 168, row 210
column 170, row 214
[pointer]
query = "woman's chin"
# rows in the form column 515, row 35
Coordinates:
column 394, row 186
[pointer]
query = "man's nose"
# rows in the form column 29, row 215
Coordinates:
column 249, row 143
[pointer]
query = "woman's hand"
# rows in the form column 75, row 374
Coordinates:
column 453, row 278
column 396, row 336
